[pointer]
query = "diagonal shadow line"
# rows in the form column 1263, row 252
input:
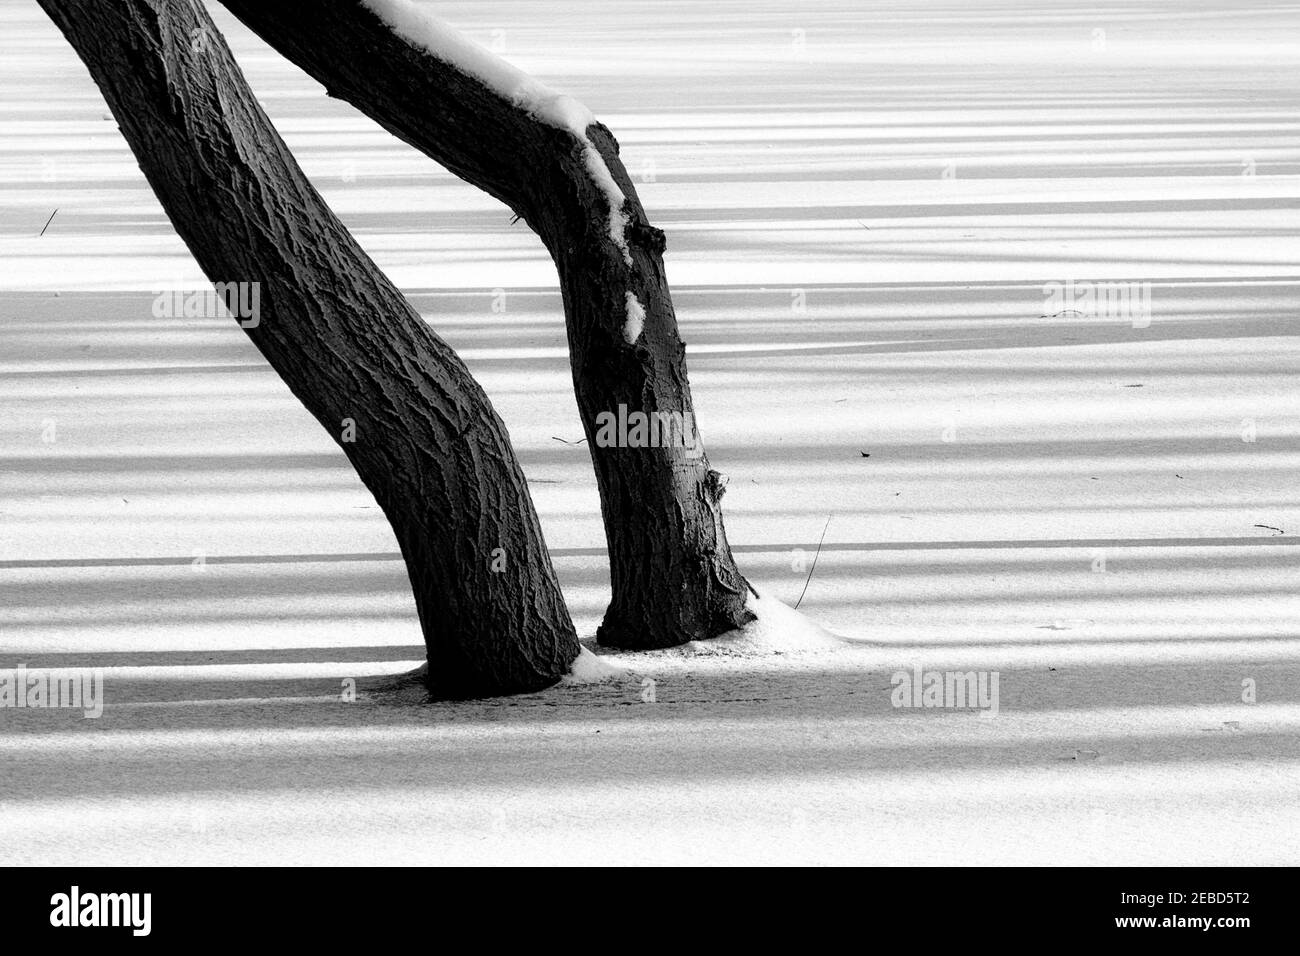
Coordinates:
column 364, row 556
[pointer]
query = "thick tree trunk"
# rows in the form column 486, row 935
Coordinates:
column 672, row 573
column 424, row 438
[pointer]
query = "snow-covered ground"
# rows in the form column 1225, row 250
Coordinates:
column 864, row 205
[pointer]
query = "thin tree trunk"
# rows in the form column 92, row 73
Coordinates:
column 673, row 578
column 426, row 441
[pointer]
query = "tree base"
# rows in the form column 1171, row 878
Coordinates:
column 638, row 632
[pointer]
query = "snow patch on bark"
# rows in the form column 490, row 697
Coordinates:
column 538, row 100
column 589, row 668
column 599, row 172
column 635, row 319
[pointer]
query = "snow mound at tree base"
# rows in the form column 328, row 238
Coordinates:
column 591, row 668
column 412, row 686
column 777, row 629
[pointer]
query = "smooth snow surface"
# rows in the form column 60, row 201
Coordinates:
column 863, row 204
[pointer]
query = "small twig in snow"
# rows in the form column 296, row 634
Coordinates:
column 814, row 564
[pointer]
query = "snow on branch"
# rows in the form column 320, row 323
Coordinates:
column 441, row 40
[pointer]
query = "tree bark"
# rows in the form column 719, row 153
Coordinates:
column 427, row 442
column 673, row 578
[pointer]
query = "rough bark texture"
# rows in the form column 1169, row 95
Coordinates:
column 672, row 574
column 427, row 441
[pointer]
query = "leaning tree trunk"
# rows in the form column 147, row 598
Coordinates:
column 422, row 435
column 672, row 574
